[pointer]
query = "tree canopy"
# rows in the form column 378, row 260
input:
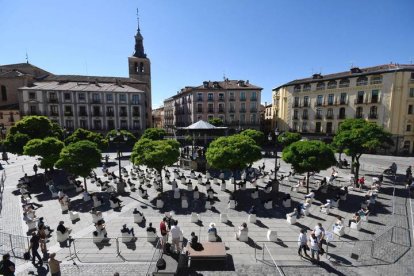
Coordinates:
column 83, row 134
column 309, row 156
column 124, row 133
column 234, row 152
column 216, row 122
column 256, row 135
column 287, row 138
column 357, row 136
column 15, row 142
column 49, row 149
column 79, row 158
column 155, row 153
column 154, row 134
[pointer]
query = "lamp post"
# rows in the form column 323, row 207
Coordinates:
column 276, row 182
column 118, row 139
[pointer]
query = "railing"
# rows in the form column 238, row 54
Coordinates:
column 15, row 245
column 273, row 259
column 153, row 263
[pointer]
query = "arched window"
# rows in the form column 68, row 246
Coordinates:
column 141, row 67
column 344, row 83
column 3, row 93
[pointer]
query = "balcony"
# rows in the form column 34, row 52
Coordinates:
column 373, row 116
column 342, row 102
column 242, row 99
column 135, row 114
column 199, row 111
column 97, row 114
column 242, row 110
column 253, row 99
column 362, row 83
column 54, row 114
column 374, row 100
column 135, row 102
column 304, row 117
column 96, row 101
column 232, row 99
column 84, row 114
column 221, row 110
column 221, row 99
column 296, row 89
column 110, row 114
column 123, row 114
column 295, row 105
column 199, row 99
column 68, row 113
column 53, row 100
column 232, row 110
column 210, row 110
column 332, row 86
column 210, row 99
column 318, row 117
column 359, row 101
column 295, row 117
column 359, row 116
column 341, row 117
column 306, row 104
column 306, row 88
column 318, row 104
column 253, row 109
column 344, row 85
column 329, row 116
column 330, row 103
column 376, row 81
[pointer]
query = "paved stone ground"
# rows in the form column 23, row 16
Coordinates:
column 242, row 254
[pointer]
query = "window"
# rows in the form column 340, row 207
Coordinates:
column 295, row 126
column 329, row 113
column 318, row 114
column 199, row 97
column 412, row 76
column 243, row 107
column 33, row 110
column 69, row 124
column 96, row 98
column 362, row 81
column 54, row 110
column 358, row 113
column 320, row 86
column 82, row 110
column 374, row 96
column 136, row 125
column 109, row 97
column 330, row 99
column 66, row 96
column 411, row 92
column 305, row 114
column 3, row 93
column 210, row 97
column 242, row 96
column 81, row 96
column 122, row 111
column 341, row 113
column 332, row 84
column 253, row 118
column 135, row 99
column 410, row 109
column 32, row 96
column 221, row 97
column 253, row 107
column 96, row 111
column 231, row 118
column 295, row 114
column 304, row 126
column 232, row 96
column 232, row 109
column 221, row 108
column 329, row 127
column 135, row 111
column 296, row 102
column 97, row 124
column 109, row 111
column 199, row 108
column 360, row 97
column 342, row 100
column 307, row 87
column 122, row 98
column 68, row 110
column 408, row 128
column 407, row 146
column 297, row 88
column 110, row 124
column 53, row 97
column 242, row 118
column 124, row 124
column 83, row 124
column 210, row 117
column 376, row 79
column 319, row 100
column 344, row 83
column 306, row 101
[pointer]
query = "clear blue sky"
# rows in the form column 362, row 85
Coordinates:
column 268, row 42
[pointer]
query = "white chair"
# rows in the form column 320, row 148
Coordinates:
column 184, row 203
column 223, row 186
column 64, row 206
column 208, row 205
column 126, row 237
column 177, row 193
column 215, row 181
column 232, row 204
column 271, row 235
column 339, row 230
column 208, row 186
column 196, row 195
column 138, row 218
column 96, row 218
column 62, row 237
column 212, row 237
column 268, row 205
column 252, row 218
column 96, row 202
column 287, row 203
column 195, row 217
column 223, row 218
column 98, row 236
column 113, row 204
column 243, row 236
column 291, row 219
column 334, row 203
column 255, row 195
column 200, row 181
column 356, row 226
column 151, row 237
column 73, row 215
column 160, row 203
column 305, row 211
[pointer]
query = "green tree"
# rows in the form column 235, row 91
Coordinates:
column 80, row 158
column 287, row 138
column 83, row 134
column 216, row 122
column 256, row 135
column 154, row 134
column 15, row 142
column 124, row 133
column 309, row 156
column 48, row 149
column 357, row 136
column 155, row 154
column 233, row 153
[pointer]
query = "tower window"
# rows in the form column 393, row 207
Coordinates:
column 3, row 93
column 141, row 67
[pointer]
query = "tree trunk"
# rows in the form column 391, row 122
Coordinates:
column 356, row 171
column 352, row 164
column 84, row 183
column 234, row 174
column 161, row 184
column 307, row 182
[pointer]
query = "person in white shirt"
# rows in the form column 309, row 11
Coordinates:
column 314, row 246
column 176, row 235
column 319, row 233
column 302, row 242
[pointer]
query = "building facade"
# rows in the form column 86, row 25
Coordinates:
column 382, row 94
column 267, row 119
column 235, row 102
column 158, row 117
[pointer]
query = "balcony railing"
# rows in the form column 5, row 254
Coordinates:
column 135, row 114
column 332, row 86
column 296, row 89
column 295, row 105
column 232, row 110
column 318, row 104
column 109, row 114
column 199, row 99
column 330, row 103
column 343, row 85
column 210, row 99
column 242, row 99
column 232, row 99
column 68, row 113
column 373, row 116
column 242, row 110
column 376, row 81
column 374, row 100
column 210, row 110
column 358, row 101
column 329, row 116
column 307, row 88
column 295, row 117
column 221, row 99
column 96, row 101
column 253, row 99
column 97, row 114
column 135, row 102
column 83, row 114
column 341, row 117
column 359, row 116
column 342, row 102
column 253, row 109
column 123, row 114
column 361, row 83
column 199, row 111
column 55, row 114
column 318, row 117
column 306, row 104
column 53, row 100
column 304, row 117
column 221, row 110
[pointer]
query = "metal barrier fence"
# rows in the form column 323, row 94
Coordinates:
column 152, row 267
column 267, row 257
column 15, row 245
column 2, row 180
column 114, row 250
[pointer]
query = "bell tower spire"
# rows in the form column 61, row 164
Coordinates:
column 139, row 42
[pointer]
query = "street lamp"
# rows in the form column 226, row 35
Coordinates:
column 118, row 139
column 277, row 133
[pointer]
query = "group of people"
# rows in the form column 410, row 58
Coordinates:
column 313, row 242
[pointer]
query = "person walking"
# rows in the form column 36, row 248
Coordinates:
column 7, row 267
column 54, row 265
column 302, row 242
column 35, row 168
column 176, row 235
column 164, row 233
column 34, row 246
column 314, row 246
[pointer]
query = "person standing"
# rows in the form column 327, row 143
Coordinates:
column 34, row 246
column 314, row 246
column 7, row 266
column 54, row 265
column 176, row 235
column 302, row 242
column 164, row 233
column 35, row 168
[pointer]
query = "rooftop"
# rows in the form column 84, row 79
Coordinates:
column 81, row 86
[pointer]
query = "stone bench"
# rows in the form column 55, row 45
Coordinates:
column 271, row 235
column 356, row 226
column 291, row 219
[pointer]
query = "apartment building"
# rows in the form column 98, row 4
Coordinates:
column 235, row 102
column 100, row 106
column 382, row 94
column 158, row 117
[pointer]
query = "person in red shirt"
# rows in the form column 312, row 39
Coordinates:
column 164, row 233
